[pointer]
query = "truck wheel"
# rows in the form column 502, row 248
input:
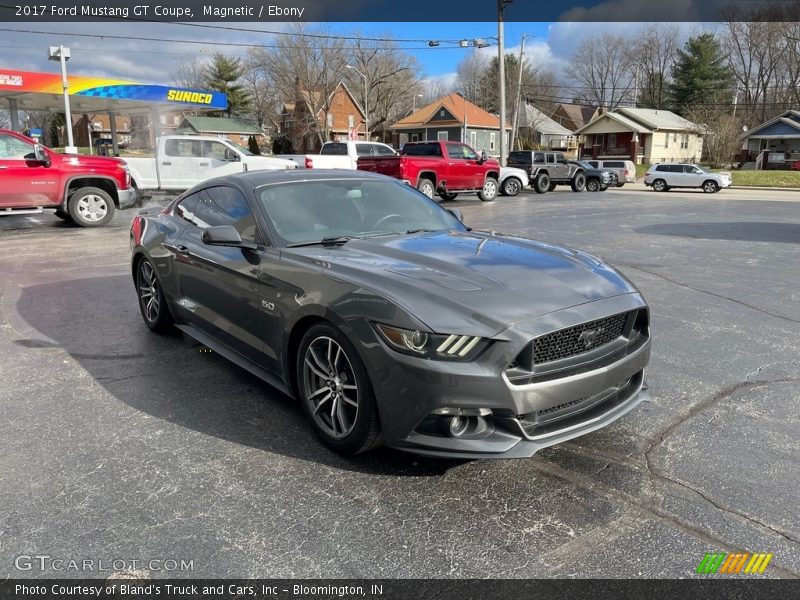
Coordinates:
column 511, row 186
column 426, row 187
column 64, row 216
column 489, row 191
column 552, row 187
column 592, row 185
column 542, row 183
column 579, row 182
column 448, row 195
column 91, row 207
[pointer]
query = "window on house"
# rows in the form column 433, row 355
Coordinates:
column 666, row 140
column 441, row 113
column 414, row 137
column 441, row 135
column 330, row 120
column 685, row 141
column 612, row 140
column 473, row 138
column 675, row 137
column 491, row 141
column 351, row 121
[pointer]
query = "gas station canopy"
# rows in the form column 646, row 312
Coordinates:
column 27, row 90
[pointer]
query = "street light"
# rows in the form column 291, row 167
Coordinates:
column 62, row 54
column 414, row 102
column 366, row 102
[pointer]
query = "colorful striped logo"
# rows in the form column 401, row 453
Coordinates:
column 736, row 563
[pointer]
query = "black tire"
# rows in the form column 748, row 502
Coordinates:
column 619, row 185
column 542, row 183
column 710, row 187
column 511, row 186
column 489, row 191
column 364, row 431
column 552, row 187
column 592, row 185
column 659, row 185
column 448, row 195
column 64, row 216
column 426, row 186
column 579, row 182
column 152, row 302
column 91, row 207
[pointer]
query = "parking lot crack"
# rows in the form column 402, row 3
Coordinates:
column 710, row 293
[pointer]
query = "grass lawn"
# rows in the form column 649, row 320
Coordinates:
column 785, row 179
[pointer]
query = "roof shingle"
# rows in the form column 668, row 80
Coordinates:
column 458, row 106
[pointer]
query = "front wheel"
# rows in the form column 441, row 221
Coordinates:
column 592, row 185
column 91, row 207
column 426, row 187
column 511, row 186
column 152, row 303
column 660, row 185
column 579, row 182
column 710, row 187
column 335, row 391
column 489, row 191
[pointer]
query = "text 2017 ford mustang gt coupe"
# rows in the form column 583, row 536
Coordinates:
column 388, row 319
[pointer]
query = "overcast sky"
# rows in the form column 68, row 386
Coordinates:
column 152, row 62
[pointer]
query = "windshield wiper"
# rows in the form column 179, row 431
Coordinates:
column 410, row 231
column 326, row 241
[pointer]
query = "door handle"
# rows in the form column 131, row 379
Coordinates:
column 205, row 164
column 167, row 164
column 3, row 167
column 182, row 249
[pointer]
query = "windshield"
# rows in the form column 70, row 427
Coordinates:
column 583, row 164
column 241, row 149
column 310, row 211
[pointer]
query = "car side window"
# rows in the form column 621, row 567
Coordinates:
column 383, row 151
column 12, row 148
column 538, row 157
column 223, row 205
column 364, row 150
column 593, row 163
column 456, row 151
column 551, row 159
column 182, row 148
column 186, row 209
column 216, row 150
column 561, row 159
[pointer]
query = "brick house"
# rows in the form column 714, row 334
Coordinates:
column 454, row 118
column 336, row 117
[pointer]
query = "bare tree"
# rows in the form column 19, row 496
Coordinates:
column 602, row 67
column 470, row 74
column 436, row 87
column 258, row 83
column 391, row 78
column 189, row 73
column 5, row 119
column 654, row 52
column 721, row 133
column 306, row 69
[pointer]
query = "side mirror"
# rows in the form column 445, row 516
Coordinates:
column 225, row 235
column 41, row 155
column 231, row 156
column 456, row 213
column 482, row 156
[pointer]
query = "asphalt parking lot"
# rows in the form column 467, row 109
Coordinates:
column 117, row 443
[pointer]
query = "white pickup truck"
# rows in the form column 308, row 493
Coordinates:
column 182, row 161
column 340, row 155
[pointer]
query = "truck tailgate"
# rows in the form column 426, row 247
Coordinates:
column 385, row 165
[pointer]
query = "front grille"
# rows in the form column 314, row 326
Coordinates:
column 572, row 341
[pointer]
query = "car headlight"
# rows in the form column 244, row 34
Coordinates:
column 432, row 345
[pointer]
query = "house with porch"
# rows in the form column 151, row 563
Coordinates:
column 642, row 135
column 453, row 118
column 235, row 130
column 775, row 144
column 573, row 116
column 537, row 130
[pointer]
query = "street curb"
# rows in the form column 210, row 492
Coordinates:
column 763, row 188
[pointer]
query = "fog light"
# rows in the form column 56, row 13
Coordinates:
column 457, row 426
column 463, row 412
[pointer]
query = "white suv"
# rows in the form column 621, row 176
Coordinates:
column 663, row 176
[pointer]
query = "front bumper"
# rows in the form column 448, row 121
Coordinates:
column 409, row 389
column 127, row 198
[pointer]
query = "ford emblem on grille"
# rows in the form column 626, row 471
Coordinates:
column 589, row 336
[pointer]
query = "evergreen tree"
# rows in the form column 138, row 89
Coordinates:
column 701, row 73
column 222, row 75
column 252, row 145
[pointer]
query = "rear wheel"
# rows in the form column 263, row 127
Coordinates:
column 152, row 303
column 335, row 391
column 660, row 185
column 426, row 187
column 489, row 191
column 542, row 183
column 511, row 186
column 448, row 195
column 592, row 185
column 579, row 182
column 91, row 207
column 710, row 187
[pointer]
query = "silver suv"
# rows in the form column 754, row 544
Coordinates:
column 663, row 176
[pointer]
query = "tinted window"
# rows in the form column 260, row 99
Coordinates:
column 561, row 159
column 364, row 149
column 336, row 149
column 224, row 206
column 663, row 168
column 551, row 158
column 520, row 157
column 614, row 164
column 454, row 151
column 593, row 163
column 538, row 157
column 185, row 210
column 182, row 148
column 432, row 149
column 384, row 151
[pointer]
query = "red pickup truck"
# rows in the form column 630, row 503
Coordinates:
column 83, row 189
column 443, row 168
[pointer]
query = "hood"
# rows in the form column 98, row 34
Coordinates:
column 271, row 161
column 470, row 283
column 96, row 162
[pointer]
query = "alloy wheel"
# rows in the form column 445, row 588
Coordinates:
column 92, row 208
column 329, row 387
column 149, row 296
column 512, row 186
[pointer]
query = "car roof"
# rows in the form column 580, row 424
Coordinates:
column 254, row 179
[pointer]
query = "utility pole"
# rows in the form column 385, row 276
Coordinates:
column 636, row 88
column 61, row 54
column 519, row 93
column 501, row 55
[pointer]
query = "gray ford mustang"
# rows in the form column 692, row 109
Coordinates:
column 388, row 319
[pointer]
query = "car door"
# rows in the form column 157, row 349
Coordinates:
column 24, row 181
column 562, row 167
column 455, row 168
column 179, row 166
column 218, row 285
column 219, row 159
column 693, row 176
